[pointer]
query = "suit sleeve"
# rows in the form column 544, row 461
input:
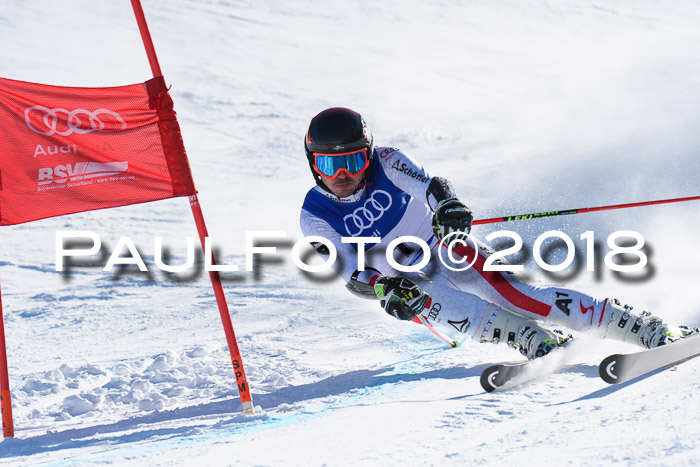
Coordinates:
column 405, row 172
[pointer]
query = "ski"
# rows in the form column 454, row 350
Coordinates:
column 496, row 376
column 618, row 368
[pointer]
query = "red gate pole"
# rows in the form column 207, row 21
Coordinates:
column 236, row 360
column 241, row 380
column 8, row 428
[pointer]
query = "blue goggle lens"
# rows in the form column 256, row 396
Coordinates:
column 330, row 164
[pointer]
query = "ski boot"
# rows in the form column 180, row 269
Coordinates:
column 642, row 329
column 519, row 332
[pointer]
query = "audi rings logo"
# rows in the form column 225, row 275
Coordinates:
column 63, row 122
column 363, row 217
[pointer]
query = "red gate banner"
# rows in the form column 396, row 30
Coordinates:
column 65, row 150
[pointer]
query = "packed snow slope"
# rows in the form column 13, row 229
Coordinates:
column 526, row 106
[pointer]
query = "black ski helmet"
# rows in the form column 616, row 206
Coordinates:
column 334, row 131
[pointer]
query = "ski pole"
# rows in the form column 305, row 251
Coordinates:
column 420, row 319
column 522, row 217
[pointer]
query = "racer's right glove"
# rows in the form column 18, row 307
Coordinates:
column 400, row 297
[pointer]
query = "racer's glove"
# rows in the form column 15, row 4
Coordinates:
column 451, row 215
column 400, row 297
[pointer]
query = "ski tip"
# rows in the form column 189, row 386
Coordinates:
column 488, row 377
column 610, row 369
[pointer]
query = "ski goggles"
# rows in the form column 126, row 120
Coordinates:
column 352, row 163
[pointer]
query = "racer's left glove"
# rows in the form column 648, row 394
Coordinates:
column 451, row 215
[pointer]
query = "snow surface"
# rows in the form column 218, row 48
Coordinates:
column 525, row 105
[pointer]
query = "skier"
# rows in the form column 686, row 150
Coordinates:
column 366, row 191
